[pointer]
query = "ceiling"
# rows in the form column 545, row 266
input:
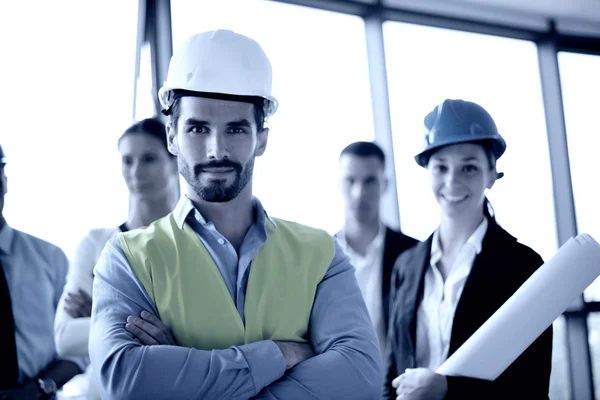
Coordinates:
column 571, row 16
column 582, row 9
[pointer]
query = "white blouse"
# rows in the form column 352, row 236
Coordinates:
column 71, row 334
column 440, row 298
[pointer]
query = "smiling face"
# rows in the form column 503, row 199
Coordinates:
column 459, row 175
column 216, row 142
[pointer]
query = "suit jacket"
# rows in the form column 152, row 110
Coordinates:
column 395, row 243
column 498, row 271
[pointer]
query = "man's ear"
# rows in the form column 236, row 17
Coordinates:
column 261, row 146
column 172, row 144
column 385, row 182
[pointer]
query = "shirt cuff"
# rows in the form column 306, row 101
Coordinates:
column 266, row 363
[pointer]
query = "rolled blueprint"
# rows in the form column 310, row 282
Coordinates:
column 528, row 312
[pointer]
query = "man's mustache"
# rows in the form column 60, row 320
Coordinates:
column 199, row 168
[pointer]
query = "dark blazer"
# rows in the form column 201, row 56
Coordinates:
column 498, row 271
column 395, row 244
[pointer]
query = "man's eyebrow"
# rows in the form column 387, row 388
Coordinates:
column 243, row 123
column 194, row 121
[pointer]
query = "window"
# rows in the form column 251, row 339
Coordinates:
column 69, row 92
column 559, row 379
column 144, row 101
column 320, row 77
column 581, row 89
column 594, row 339
column 427, row 65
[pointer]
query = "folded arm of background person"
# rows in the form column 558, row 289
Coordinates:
column 348, row 360
column 71, row 334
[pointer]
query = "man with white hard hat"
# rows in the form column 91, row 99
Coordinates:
column 217, row 300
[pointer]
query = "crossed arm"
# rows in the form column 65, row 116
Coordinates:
column 148, row 330
column 347, row 363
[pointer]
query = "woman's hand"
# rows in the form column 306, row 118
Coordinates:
column 420, row 384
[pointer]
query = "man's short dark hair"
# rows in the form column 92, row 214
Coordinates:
column 364, row 150
column 259, row 105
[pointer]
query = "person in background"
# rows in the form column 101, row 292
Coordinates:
column 446, row 287
column 373, row 247
column 152, row 179
column 32, row 277
column 218, row 300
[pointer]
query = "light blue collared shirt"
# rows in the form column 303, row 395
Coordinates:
column 234, row 270
column 36, row 273
column 347, row 364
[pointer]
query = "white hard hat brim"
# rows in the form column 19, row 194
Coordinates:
column 166, row 98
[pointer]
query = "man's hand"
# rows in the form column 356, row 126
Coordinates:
column 420, row 384
column 78, row 305
column 29, row 391
column 294, row 353
column 149, row 330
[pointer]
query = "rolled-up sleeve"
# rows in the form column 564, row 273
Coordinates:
column 128, row 370
column 348, row 360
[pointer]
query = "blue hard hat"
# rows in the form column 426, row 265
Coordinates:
column 459, row 121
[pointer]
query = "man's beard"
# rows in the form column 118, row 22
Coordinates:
column 217, row 190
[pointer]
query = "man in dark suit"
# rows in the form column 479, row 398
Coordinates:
column 32, row 277
column 372, row 246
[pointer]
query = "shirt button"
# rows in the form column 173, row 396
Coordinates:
column 221, row 241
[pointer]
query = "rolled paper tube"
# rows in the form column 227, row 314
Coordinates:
column 528, row 312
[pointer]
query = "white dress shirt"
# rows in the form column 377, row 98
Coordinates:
column 368, row 272
column 72, row 334
column 440, row 298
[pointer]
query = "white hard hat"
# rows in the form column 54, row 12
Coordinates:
column 222, row 62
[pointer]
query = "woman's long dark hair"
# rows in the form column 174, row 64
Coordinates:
column 488, row 210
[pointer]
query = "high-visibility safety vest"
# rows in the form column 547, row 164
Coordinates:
column 192, row 299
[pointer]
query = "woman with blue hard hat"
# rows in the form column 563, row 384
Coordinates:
column 446, row 287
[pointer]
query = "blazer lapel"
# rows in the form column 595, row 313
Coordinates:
column 485, row 275
column 388, row 260
column 414, row 273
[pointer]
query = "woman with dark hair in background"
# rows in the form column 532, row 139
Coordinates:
column 446, row 287
column 152, row 179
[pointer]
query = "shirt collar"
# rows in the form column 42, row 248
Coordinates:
column 376, row 243
column 6, row 238
column 475, row 240
column 185, row 207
